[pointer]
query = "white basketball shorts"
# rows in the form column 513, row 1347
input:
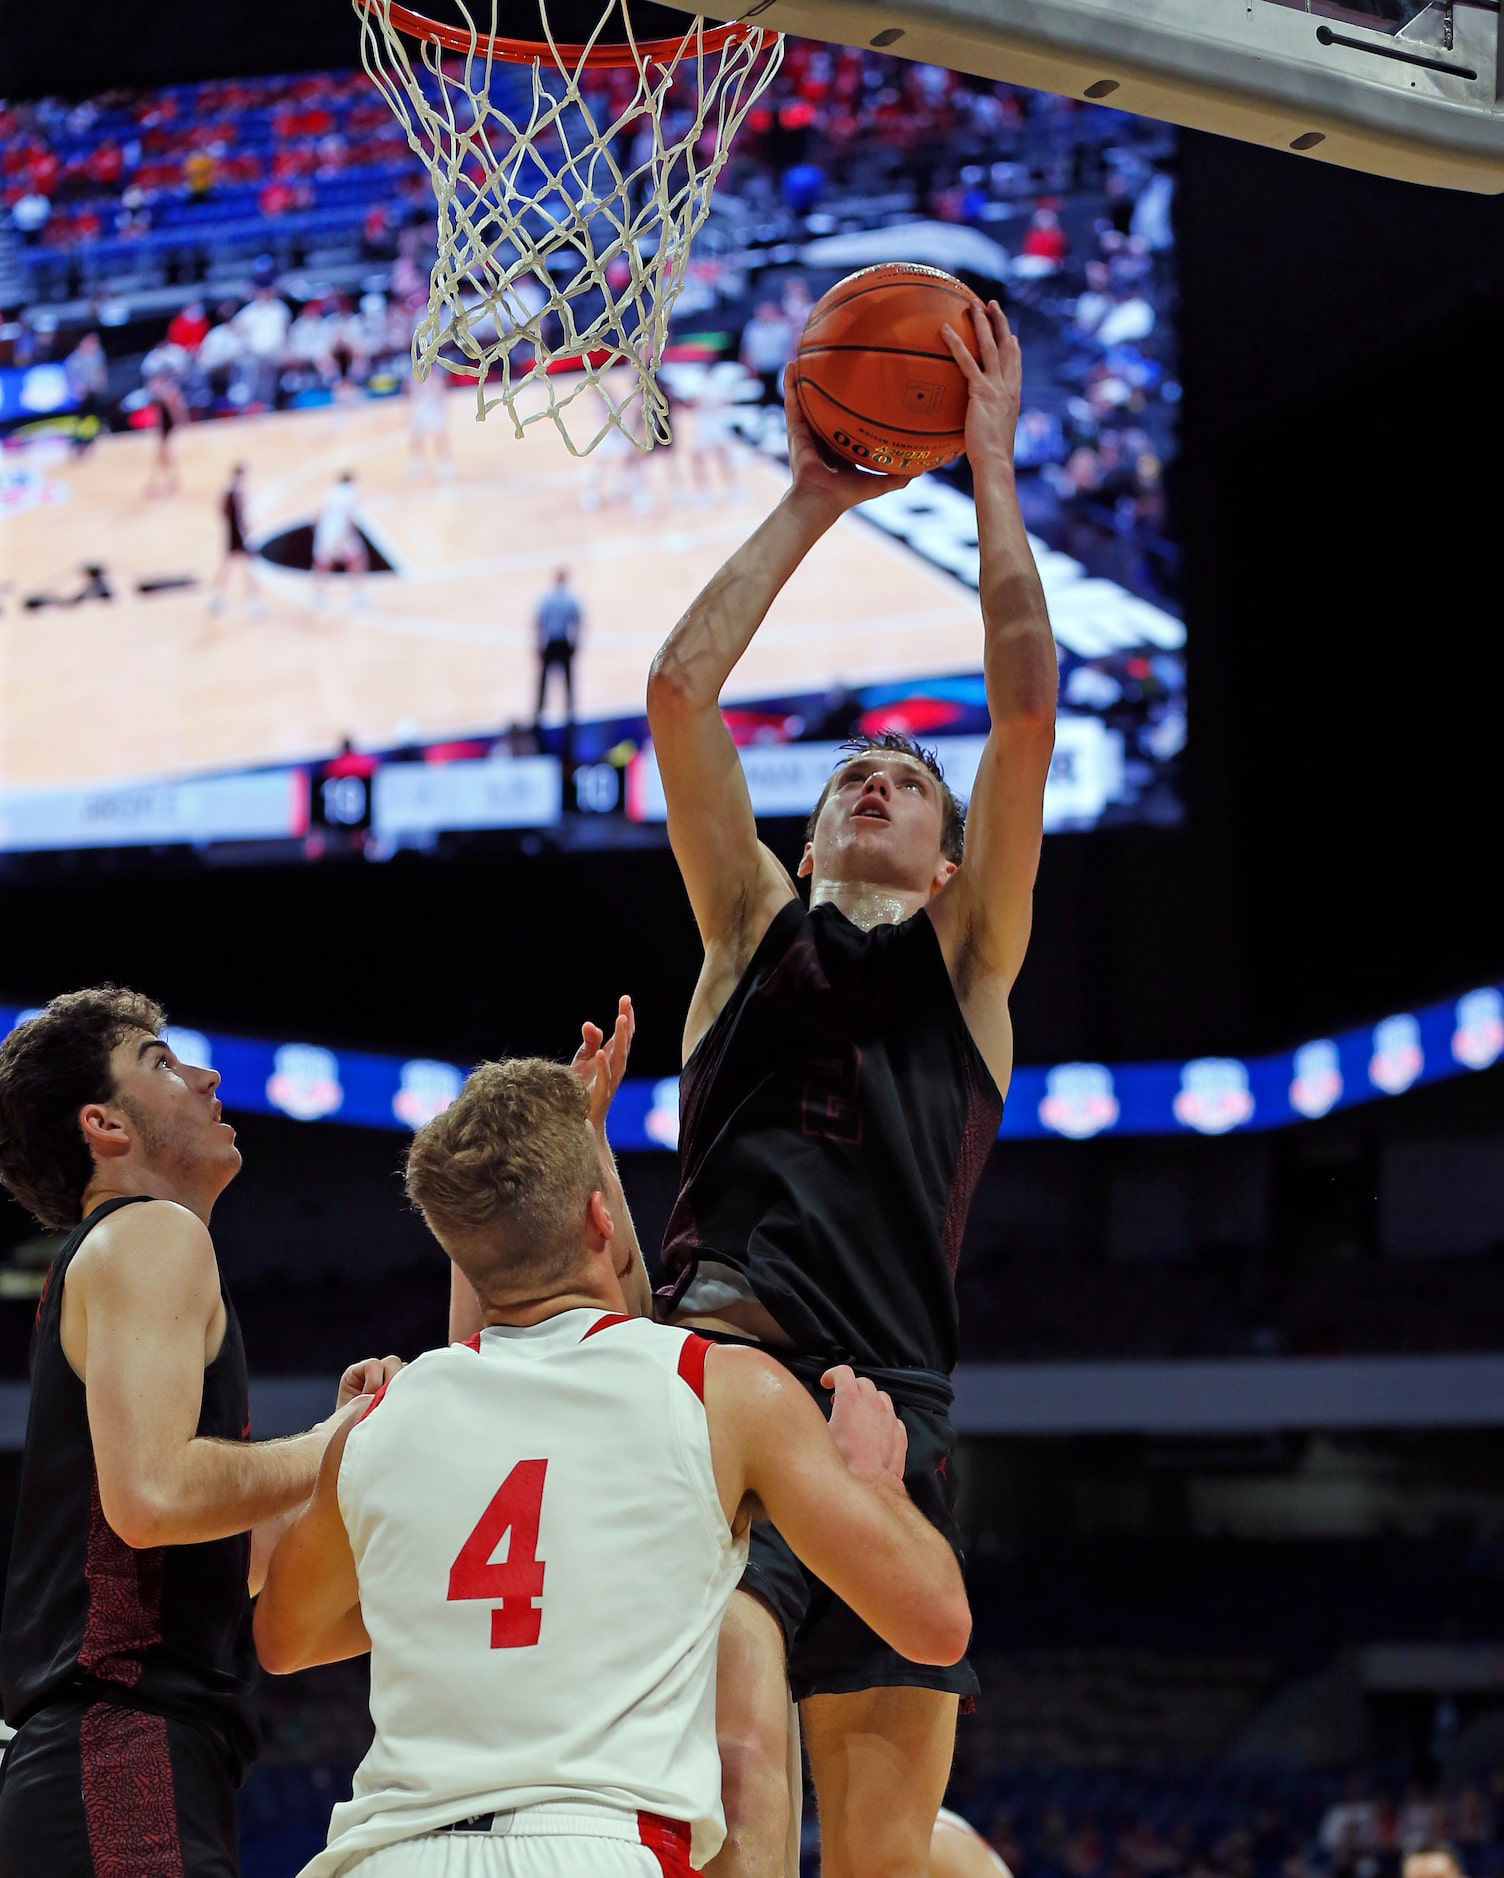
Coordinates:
column 540, row 1842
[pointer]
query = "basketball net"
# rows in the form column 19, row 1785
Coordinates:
column 564, row 238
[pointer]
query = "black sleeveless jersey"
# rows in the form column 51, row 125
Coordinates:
column 834, row 1123
column 167, row 1629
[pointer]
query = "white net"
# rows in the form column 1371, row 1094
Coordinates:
column 568, row 196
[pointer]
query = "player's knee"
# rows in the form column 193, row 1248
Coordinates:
column 754, row 1775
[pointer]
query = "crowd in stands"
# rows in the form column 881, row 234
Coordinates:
column 1221, row 1822
column 1075, row 200
column 131, row 163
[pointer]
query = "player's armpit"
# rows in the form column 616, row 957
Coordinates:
column 309, row 1608
column 864, row 1538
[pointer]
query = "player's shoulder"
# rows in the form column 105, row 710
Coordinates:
column 745, row 1381
column 153, row 1244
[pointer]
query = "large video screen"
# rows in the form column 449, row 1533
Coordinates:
column 206, row 349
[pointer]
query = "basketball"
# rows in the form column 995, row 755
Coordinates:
column 874, row 375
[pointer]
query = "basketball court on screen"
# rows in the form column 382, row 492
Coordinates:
column 154, row 685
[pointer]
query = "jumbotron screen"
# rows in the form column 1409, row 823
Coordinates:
column 214, row 287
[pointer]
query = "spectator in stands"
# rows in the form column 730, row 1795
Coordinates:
column 378, row 330
column 88, row 379
column 200, row 171
column 188, row 327
column 1045, row 240
column 1349, row 1827
column 1422, row 1819
column 262, row 325
column 797, row 304
column 220, row 354
column 30, row 214
column 768, row 343
column 308, row 347
column 1092, row 307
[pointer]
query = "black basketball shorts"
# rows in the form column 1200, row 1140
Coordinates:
column 95, row 1790
column 830, row 1650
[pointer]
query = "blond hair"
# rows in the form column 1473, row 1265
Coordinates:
column 504, row 1175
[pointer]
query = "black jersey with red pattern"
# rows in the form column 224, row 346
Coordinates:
column 163, row 1628
column 834, row 1123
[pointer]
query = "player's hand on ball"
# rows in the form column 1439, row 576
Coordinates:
column 873, row 1441
column 363, row 1379
column 601, row 1061
column 818, row 475
column 994, row 381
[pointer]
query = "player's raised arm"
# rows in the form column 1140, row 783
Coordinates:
column 985, row 910
column 836, row 1494
column 735, row 885
column 309, row 1609
column 146, row 1291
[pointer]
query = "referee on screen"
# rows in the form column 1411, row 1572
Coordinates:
column 557, row 624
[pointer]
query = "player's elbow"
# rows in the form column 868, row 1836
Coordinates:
column 941, row 1630
column 277, row 1642
column 671, row 689
column 138, row 1516
column 1027, row 721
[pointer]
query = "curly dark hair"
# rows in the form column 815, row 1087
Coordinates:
column 50, row 1066
column 894, row 743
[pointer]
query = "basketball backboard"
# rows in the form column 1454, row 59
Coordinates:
column 1401, row 88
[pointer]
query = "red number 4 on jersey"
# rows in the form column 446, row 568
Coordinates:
column 516, row 1508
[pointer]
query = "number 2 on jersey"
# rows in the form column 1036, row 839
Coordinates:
column 516, row 1508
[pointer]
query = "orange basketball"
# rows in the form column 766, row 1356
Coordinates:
column 875, row 377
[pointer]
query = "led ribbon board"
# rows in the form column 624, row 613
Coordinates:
column 1209, row 1095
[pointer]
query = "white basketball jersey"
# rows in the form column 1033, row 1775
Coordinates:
column 543, row 1564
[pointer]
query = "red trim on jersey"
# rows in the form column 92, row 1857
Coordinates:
column 473, row 1343
column 668, row 1840
column 605, row 1323
column 692, row 1354
column 372, row 1403
column 130, row 1808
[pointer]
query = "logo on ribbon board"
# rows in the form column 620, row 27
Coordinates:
column 1214, row 1095
column 304, row 1082
column 1079, row 1100
column 1478, row 1039
column 427, row 1090
column 1317, row 1083
column 1397, row 1056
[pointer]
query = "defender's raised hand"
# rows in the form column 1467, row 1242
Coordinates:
column 994, row 381
column 601, row 1061
column 873, row 1441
